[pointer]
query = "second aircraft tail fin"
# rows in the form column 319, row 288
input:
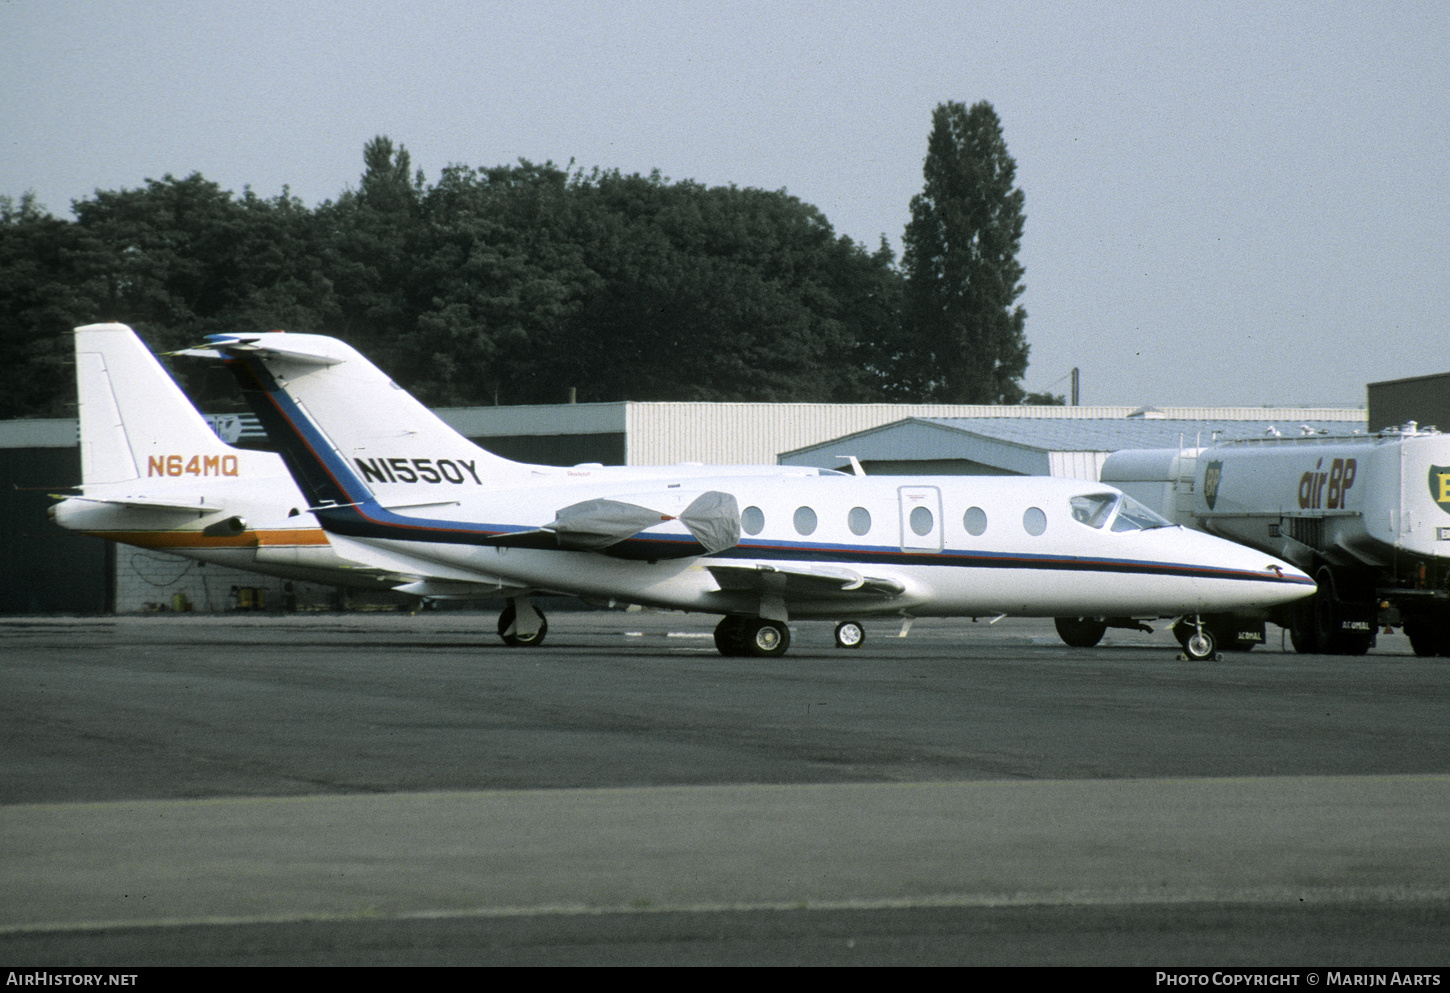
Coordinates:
column 135, row 422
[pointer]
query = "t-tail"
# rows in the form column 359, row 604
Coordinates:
column 381, row 445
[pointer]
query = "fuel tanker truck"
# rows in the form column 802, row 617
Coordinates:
column 1368, row 516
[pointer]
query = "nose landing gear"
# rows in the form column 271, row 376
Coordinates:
column 1199, row 640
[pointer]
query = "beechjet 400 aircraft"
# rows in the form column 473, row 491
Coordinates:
column 398, row 490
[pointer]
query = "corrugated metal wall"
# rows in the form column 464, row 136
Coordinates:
column 752, row 433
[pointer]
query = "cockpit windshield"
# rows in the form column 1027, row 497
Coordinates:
column 1133, row 516
column 1095, row 509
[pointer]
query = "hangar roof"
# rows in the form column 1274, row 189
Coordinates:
column 1073, row 448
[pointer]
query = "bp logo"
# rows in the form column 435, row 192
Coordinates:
column 1211, row 477
column 1440, row 486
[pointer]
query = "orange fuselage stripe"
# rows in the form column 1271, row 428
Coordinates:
column 282, row 537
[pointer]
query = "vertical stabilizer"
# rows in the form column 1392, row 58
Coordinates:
column 132, row 413
column 355, row 433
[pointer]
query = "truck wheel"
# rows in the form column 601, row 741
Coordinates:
column 1429, row 634
column 766, row 639
column 730, row 636
column 1329, row 617
column 1302, row 630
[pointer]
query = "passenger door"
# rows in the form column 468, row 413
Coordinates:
column 921, row 520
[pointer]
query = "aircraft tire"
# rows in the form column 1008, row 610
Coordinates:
column 506, row 621
column 850, row 634
column 1201, row 645
column 1080, row 632
column 766, row 639
column 730, row 636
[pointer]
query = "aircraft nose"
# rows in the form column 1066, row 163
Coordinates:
column 1260, row 579
column 1290, row 582
column 1292, row 574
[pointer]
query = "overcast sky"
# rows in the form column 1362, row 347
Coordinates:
column 1227, row 202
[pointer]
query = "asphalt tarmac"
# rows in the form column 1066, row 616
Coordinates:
column 392, row 789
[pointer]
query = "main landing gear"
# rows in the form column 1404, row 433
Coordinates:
column 757, row 636
column 522, row 625
column 745, row 636
column 850, row 634
column 1080, row 632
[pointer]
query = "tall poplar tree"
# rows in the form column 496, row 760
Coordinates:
column 963, row 338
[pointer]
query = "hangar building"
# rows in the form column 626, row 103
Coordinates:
column 1074, row 448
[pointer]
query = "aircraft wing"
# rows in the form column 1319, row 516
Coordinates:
column 805, row 579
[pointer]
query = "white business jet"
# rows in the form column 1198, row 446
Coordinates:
column 398, row 490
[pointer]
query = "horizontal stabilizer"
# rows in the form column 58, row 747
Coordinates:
column 307, row 349
column 805, row 580
column 148, row 503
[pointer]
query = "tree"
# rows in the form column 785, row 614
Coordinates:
column 39, row 298
column 962, row 338
column 508, row 284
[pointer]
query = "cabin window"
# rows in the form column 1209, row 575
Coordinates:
column 859, row 520
column 921, row 520
column 752, row 520
column 1034, row 521
column 975, row 521
column 805, row 520
column 1094, row 509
